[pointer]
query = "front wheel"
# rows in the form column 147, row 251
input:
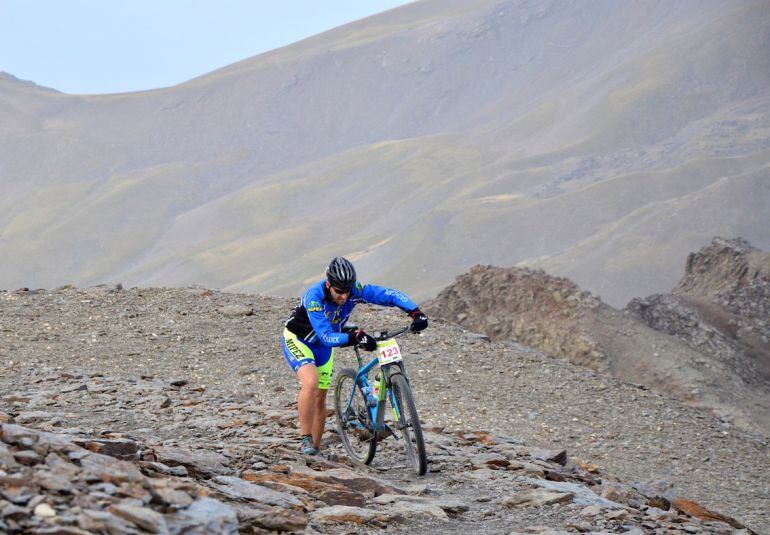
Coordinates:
column 409, row 423
column 354, row 422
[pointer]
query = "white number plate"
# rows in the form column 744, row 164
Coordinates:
column 388, row 352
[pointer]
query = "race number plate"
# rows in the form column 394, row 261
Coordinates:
column 388, row 352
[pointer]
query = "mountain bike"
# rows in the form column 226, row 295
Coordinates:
column 360, row 405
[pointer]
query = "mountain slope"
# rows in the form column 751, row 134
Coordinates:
column 403, row 140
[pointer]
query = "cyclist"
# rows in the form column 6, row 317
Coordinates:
column 315, row 328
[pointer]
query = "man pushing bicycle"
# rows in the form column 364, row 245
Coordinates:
column 315, row 328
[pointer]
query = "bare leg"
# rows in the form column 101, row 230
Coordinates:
column 308, row 394
column 320, row 418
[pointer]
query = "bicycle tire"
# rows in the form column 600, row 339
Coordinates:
column 355, row 427
column 409, row 425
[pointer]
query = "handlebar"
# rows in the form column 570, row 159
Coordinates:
column 385, row 335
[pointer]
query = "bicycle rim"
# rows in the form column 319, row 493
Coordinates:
column 409, row 424
column 354, row 423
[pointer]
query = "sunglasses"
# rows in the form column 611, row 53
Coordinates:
column 339, row 291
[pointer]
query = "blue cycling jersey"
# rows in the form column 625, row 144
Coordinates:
column 326, row 318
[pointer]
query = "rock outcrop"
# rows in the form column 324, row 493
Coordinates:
column 720, row 307
column 704, row 344
column 525, row 305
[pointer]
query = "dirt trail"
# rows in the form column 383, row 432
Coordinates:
column 54, row 340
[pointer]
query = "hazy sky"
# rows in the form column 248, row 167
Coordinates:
column 107, row 46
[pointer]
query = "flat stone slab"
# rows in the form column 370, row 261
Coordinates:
column 110, row 469
column 144, row 517
column 367, row 485
column 536, row 498
column 242, row 489
column 205, row 463
column 355, row 515
column 582, row 495
column 204, row 516
column 450, row 506
column 410, row 509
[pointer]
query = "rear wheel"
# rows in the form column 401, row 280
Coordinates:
column 409, row 423
column 354, row 423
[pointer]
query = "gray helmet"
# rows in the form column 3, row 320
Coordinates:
column 341, row 273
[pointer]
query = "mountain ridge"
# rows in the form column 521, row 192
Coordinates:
column 446, row 120
column 704, row 344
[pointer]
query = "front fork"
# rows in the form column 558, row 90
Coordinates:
column 384, row 390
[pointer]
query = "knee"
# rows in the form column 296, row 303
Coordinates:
column 310, row 384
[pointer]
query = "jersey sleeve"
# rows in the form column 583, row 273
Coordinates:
column 379, row 295
column 321, row 325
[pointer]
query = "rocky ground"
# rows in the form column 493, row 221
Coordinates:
column 705, row 344
column 173, row 408
column 721, row 308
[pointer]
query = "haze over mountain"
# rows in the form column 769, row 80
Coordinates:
column 599, row 140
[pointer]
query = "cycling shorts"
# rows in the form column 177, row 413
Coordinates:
column 299, row 353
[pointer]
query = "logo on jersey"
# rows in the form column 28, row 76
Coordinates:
column 314, row 306
column 398, row 295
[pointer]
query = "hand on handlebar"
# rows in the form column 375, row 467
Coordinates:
column 365, row 340
column 419, row 321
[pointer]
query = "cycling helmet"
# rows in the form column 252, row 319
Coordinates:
column 341, row 274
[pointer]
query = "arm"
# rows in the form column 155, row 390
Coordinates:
column 379, row 295
column 389, row 297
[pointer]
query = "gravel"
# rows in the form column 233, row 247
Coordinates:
column 461, row 380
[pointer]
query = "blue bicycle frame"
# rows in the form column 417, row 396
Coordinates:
column 362, row 380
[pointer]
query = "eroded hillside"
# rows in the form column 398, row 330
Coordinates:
column 721, row 306
column 595, row 139
column 705, row 344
